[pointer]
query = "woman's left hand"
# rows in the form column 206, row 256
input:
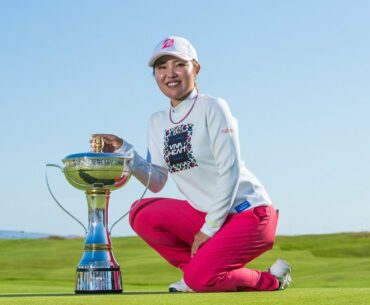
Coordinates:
column 199, row 239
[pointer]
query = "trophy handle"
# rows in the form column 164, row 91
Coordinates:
column 137, row 202
column 52, row 195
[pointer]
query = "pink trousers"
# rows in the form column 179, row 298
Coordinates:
column 169, row 226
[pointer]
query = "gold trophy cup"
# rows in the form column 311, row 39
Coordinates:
column 97, row 174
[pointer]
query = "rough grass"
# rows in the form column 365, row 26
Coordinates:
column 327, row 269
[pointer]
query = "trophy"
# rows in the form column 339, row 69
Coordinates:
column 97, row 174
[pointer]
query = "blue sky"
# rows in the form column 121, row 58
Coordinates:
column 296, row 75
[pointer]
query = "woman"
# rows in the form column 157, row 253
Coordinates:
column 227, row 219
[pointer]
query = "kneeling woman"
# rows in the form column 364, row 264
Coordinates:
column 227, row 219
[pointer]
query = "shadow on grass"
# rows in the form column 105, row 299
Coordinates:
column 20, row 295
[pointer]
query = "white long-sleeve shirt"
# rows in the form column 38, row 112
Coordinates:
column 203, row 157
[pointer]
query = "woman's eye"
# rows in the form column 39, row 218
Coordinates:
column 180, row 64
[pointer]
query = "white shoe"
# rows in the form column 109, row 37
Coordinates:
column 179, row 286
column 281, row 270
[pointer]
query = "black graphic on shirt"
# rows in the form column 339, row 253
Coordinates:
column 178, row 152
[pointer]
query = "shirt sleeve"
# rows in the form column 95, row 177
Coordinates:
column 149, row 168
column 223, row 133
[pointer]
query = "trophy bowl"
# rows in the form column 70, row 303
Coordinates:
column 92, row 170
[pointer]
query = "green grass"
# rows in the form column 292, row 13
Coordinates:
column 327, row 269
column 299, row 296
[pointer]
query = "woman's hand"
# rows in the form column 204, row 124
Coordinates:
column 111, row 142
column 199, row 239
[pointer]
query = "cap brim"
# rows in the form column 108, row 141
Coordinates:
column 156, row 56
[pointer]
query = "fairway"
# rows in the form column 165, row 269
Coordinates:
column 327, row 269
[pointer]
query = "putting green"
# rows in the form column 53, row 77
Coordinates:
column 294, row 296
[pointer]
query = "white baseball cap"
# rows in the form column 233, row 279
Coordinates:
column 176, row 46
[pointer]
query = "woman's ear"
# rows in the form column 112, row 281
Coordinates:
column 196, row 68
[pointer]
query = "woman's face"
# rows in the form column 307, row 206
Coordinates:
column 175, row 77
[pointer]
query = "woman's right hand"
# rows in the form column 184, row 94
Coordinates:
column 111, row 142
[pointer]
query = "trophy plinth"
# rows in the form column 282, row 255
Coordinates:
column 97, row 174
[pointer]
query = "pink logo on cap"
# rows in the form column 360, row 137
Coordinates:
column 168, row 43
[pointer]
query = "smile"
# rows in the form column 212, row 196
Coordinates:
column 173, row 84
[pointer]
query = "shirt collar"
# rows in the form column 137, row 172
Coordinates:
column 186, row 103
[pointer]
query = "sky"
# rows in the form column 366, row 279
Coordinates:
column 296, row 76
